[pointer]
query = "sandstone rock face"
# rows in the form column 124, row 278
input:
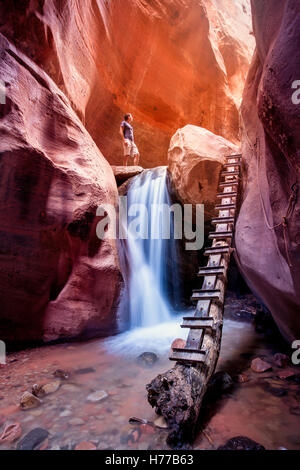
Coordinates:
column 57, row 279
column 196, row 157
column 270, row 257
column 169, row 63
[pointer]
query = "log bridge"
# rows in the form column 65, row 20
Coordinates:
column 177, row 395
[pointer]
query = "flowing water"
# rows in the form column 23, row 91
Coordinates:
column 149, row 259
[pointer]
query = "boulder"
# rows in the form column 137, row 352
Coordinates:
column 196, row 157
column 180, row 61
column 57, row 279
column 124, row 173
column 267, row 245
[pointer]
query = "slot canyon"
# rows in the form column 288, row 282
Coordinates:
column 89, row 323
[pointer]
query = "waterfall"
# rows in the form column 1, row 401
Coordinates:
column 149, row 263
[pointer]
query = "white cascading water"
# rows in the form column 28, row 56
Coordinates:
column 146, row 258
column 148, row 264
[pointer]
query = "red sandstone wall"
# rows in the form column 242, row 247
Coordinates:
column 169, row 63
column 271, row 139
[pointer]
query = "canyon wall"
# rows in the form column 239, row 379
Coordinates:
column 268, row 227
column 57, row 279
column 169, row 63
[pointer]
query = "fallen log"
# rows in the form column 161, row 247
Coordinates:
column 177, row 395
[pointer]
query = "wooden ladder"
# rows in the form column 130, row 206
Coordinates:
column 208, row 317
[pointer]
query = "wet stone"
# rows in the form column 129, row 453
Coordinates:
column 33, row 439
column 241, row 443
column 76, row 422
column 29, row 401
column 260, row 366
column 147, row 359
column 97, row 396
column 65, row 413
column 51, row 387
column 61, row 374
column 220, row 383
column 11, row 433
column 86, row 446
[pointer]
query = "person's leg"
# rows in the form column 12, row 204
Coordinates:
column 127, row 151
column 136, row 159
column 136, row 155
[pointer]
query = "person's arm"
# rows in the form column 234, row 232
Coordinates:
column 122, row 132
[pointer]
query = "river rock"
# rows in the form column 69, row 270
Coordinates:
column 76, row 422
column 178, row 343
column 147, row 359
column 38, row 391
column 97, row 396
column 11, row 433
column 161, row 423
column 242, row 378
column 33, row 439
column 61, row 374
column 260, row 366
column 51, row 387
column 241, row 443
column 86, row 446
column 221, row 382
column 29, row 401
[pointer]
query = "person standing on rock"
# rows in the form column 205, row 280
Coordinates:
column 130, row 149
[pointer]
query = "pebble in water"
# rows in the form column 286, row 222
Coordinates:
column 97, row 396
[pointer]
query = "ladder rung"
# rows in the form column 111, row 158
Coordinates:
column 239, row 155
column 209, row 271
column 229, row 183
column 224, row 195
column 223, row 207
column 230, row 173
column 218, row 235
column 219, row 250
column 223, row 220
column 197, row 326
column 190, row 351
column 183, row 357
column 198, row 318
column 229, row 165
column 206, row 295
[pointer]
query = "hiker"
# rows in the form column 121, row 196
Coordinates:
column 130, row 149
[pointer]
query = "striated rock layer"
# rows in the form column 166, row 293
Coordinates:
column 196, row 157
column 169, row 63
column 268, row 246
column 57, row 279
